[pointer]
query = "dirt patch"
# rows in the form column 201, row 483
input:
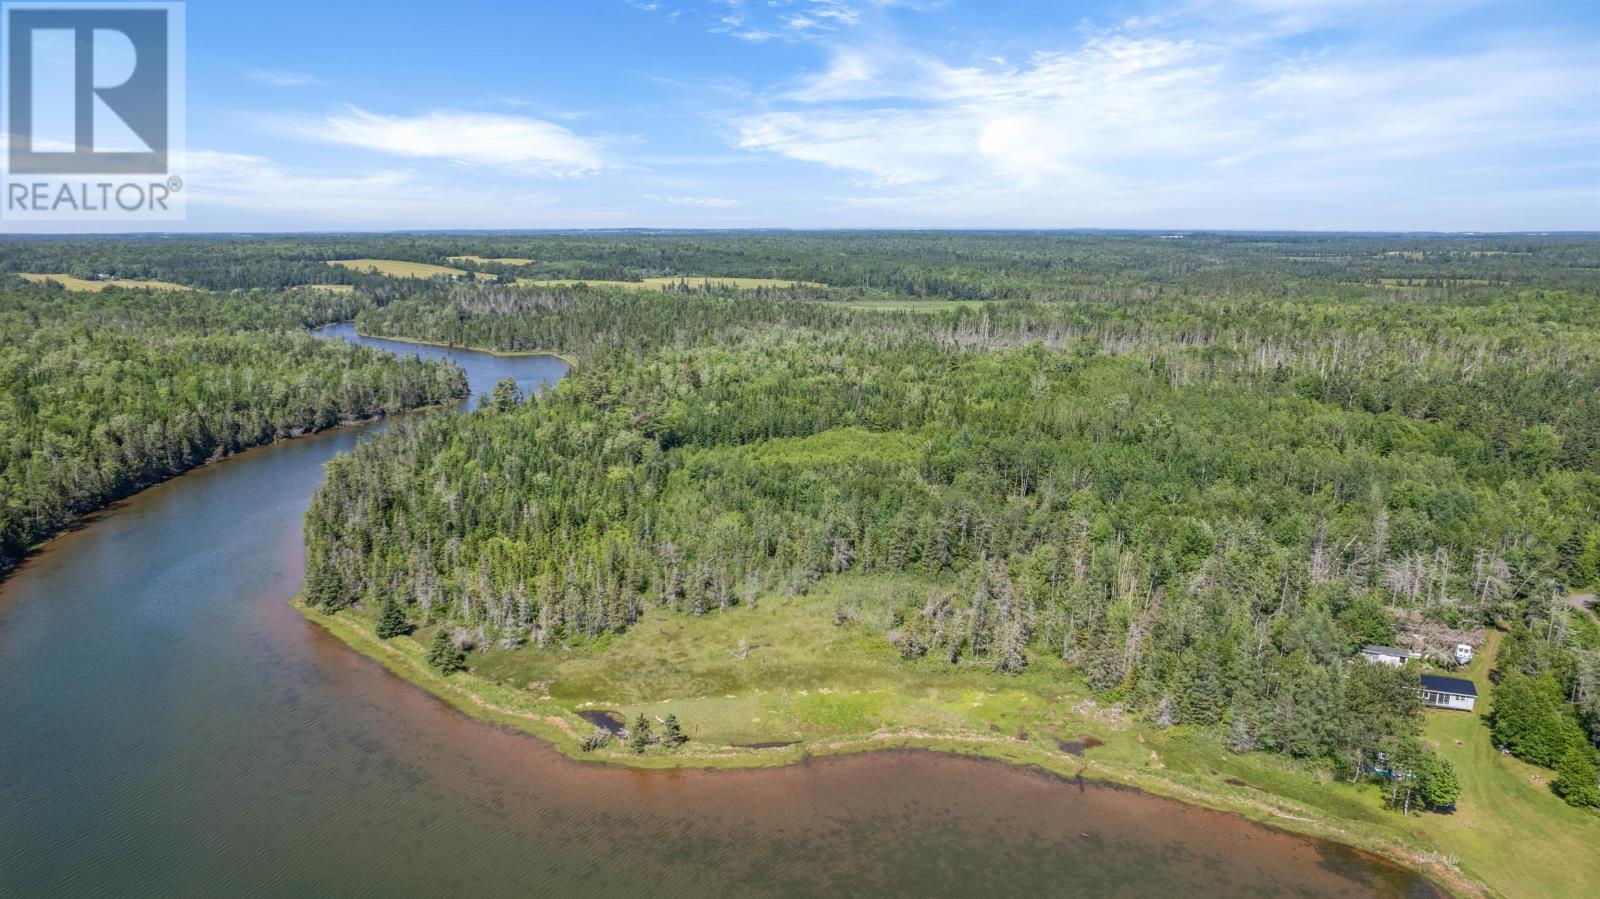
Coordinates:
column 1076, row 747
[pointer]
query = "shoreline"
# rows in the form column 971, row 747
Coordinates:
column 90, row 517
column 507, row 354
column 544, row 720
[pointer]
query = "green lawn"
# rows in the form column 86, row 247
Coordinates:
column 1510, row 829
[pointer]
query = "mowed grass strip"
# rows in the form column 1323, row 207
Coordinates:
column 84, row 285
column 1509, row 829
column 397, row 268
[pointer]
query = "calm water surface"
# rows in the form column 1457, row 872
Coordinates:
column 170, row 726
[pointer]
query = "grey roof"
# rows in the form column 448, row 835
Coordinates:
column 1375, row 649
column 1448, row 685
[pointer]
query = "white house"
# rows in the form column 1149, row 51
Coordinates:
column 1386, row 655
column 1448, row 692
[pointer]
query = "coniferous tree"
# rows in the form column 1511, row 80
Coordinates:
column 1577, row 779
column 443, row 656
column 1438, row 785
column 674, row 735
column 392, row 621
column 506, row 395
column 1531, row 718
column 639, row 737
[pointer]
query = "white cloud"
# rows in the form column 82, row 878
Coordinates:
column 265, row 190
column 510, row 142
column 790, row 20
column 279, row 78
column 1140, row 119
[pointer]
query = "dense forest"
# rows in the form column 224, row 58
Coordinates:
column 104, row 394
column 1201, row 469
column 1204, row 499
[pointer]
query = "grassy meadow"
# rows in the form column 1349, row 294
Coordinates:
column 84, row 285
column 396, row 268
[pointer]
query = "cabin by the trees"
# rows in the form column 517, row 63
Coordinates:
column 1448, row 692
column 1392, row 656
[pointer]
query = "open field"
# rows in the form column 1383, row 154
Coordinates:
column 87, row 286
column 329, row 288
column 780, row 682
column 396, row 268
column 491, row 260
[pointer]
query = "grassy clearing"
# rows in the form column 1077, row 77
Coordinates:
column 1510, row 830
column 783, row 673
column 84, row 285
column 329, row 288
column 491, row 260
column 396, row 268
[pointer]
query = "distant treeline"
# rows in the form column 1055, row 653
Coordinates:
column 945, row 265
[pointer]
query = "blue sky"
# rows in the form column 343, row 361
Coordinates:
column 1321, row 114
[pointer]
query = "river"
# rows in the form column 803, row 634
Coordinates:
column 169, row 725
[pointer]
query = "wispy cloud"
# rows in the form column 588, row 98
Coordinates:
column 701, row 202
column 790, row 19
column 510, row 142
column 385, row 198
column 279, row 78
column 1157, row 109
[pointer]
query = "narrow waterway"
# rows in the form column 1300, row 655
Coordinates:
column 170, row 726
